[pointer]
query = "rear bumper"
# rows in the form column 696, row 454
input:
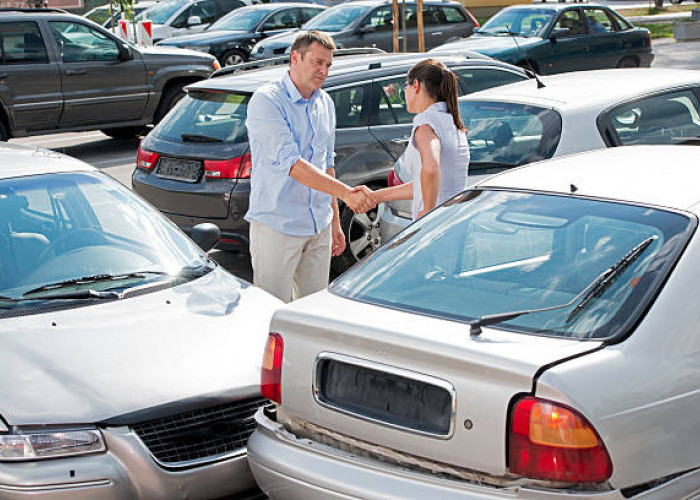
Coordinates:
column 286, row 467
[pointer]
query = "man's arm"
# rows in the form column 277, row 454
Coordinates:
column 336, row 229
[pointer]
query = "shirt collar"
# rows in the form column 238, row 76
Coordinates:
column 438, row 106
column 293, row 92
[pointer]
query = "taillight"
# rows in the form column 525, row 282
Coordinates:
column 146, row 159
column 551, row 441
column 271, row 374
column 393, row 179
column 234, row 168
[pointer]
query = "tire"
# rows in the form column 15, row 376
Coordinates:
column 124, row 132
column 232, row 57
column 171, row 96
column 362, row 237
column 628, row 62
column 4, row 135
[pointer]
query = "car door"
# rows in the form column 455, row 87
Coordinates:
column 376, row 30
column 569, row 45
column 390, row 122
column 98, row 86
column 30, row 82
column 606, row 44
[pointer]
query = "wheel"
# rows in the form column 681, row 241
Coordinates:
column 362, row 237
column 124, row 132
column 628, row 62
column 170, row 98
column 233, row 57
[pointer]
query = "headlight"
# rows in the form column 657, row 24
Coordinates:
column 198, row 48
column 25, row 445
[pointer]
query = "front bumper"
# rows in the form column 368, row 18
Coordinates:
column 290, row 468
column 125, row 472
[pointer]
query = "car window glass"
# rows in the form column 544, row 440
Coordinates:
column 599, row 22
column 452, row 15
column 351, row 105
column 623, row 24
column 504, row 135
column 476, row 79
column 571, row 20
column 528, row 22
column 239, row 20
column 337, row 18
column 288, row 18
column 308, row 12
column 78, row 42
column 392, row 102
column 22, row 43
column 672, row 118
column 432, row 16
column 205, row 10
column 381, row 19
column 162, row 11
column 229, row 5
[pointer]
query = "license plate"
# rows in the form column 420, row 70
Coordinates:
column 179, row 170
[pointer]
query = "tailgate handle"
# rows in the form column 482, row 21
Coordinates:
column 73, row 72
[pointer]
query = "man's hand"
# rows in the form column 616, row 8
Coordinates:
column 338, row 239
column 360, row 199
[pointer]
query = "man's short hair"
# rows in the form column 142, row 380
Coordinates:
column 304, row 41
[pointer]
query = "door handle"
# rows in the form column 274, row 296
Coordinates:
column 400, row 141
column 436, row 33
column 74, row 72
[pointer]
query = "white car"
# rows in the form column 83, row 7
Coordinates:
column 520, row 123
column 130, row 360
column 535, row 337
column 100, row 14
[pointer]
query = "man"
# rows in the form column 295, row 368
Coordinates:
column 293, row 212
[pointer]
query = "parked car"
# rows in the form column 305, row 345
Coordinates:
column 231, row 38
column 61, row 72
column 195, row 165
column 100, row 14
column 130, row 358
column 557, row 38
column 368, row 23
column 534, row 337
column 171, row 18
column 519, row 124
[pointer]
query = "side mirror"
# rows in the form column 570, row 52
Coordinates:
column 367, row 29
column 125, row 52
column 194, row 20
column 205, row 235
column 559, row 33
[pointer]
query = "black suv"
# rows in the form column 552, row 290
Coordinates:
column 230, row 38
column 60, row 72
column 195, row 165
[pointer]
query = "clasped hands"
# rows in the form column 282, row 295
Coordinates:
column 361, row 199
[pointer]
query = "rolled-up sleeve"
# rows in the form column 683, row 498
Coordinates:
column 271, row 139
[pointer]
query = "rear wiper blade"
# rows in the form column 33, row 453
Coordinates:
column 598, row 285
column 93, row 279
column 199, row 138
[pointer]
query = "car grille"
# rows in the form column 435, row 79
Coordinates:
column 200, row 435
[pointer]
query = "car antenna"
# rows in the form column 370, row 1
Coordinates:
column 531, row 71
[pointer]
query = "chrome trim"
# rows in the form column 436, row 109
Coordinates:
column 56, row 487
column 393, row 370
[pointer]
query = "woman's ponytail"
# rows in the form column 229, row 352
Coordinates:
column 448, row 93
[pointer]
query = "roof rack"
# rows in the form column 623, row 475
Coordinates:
column 279, row 61
column 27, row 9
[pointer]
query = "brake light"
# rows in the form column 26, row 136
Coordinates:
column 271, row 374
column 393, row 179
column 146, row 159
column 234, row 168
column 551, row 441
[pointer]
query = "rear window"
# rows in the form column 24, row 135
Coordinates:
column 509, row 134
column 495, row 251
column 207, row 117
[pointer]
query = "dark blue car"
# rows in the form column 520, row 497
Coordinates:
column 231, row 37
column 557, row 38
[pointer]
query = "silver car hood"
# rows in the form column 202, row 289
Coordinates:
column 202, row 339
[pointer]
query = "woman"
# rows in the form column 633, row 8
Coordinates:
column 437, row 156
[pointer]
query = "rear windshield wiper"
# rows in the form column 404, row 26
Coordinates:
column 199, row 138
column 595, row 288
column 92, row 279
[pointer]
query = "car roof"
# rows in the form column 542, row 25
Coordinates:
column 557, row 6
column 666, row 176
column 19, row 160
column 582, row 89
column 276, row 6
column 344, row 68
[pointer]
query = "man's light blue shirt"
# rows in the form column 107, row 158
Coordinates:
column 282, row 128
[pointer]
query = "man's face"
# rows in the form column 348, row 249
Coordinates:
column 311, row 70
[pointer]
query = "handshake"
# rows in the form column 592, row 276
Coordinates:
column 360, row 199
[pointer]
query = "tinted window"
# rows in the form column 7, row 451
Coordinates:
column 206, row 11
column 452, row 15
column 78, row 42
column 490, row 252
column 288, row 18
column 476, row 79
column 381, row 19
column 392, row 102
column 672, row 118
column 22, row 43
column 213, row 115
column 508, row 134
column 352, row 105
column 571, row 20
column 599, row 21
column 336, row 18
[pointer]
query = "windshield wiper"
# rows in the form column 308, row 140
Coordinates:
column 493, row 164
column 199, row 138
column 595, row 288
column 93, row 279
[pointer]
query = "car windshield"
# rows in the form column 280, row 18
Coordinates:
column 98, row 15
column 508, row 134
column 336, row 18
column 67, row 226
column 240, row 20
column 524, row 22
column 494, row 251
column 162, row 11
column 218, row 116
